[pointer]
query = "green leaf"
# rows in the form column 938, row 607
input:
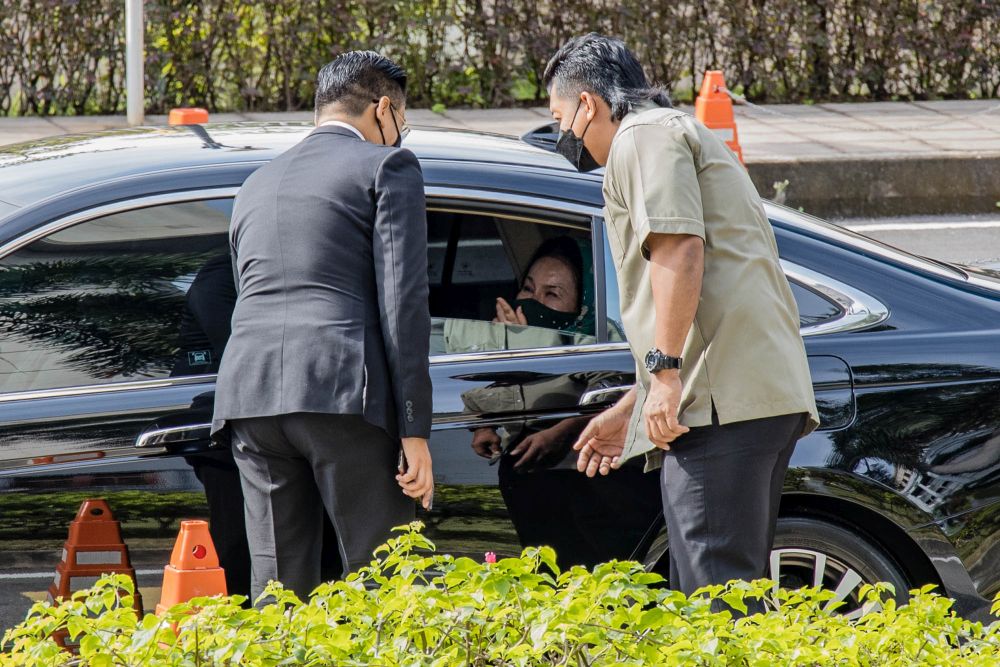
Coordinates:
column 735, row 600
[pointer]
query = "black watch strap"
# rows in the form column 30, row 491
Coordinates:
column 657, row 361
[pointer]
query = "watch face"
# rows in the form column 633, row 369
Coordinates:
column 651, row 360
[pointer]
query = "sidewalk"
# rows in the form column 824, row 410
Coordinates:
column 868, row 159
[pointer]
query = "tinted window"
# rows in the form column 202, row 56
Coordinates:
column 107, row 300
column 813, row 308
column 474, row 260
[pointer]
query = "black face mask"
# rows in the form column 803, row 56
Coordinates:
column 399, row 135
column 571, row 147
column 539, row 315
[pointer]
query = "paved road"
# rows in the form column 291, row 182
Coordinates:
column 20, row 589
column 969, row 239
column 961, row 239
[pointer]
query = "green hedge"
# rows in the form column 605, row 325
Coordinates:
column 412, row 607
column 66, row 56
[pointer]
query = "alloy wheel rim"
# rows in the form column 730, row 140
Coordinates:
column 794, row 567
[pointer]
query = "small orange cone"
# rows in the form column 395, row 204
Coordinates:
column 93, row 548
column 187, row 116
column 715, row 110
column 194, row 568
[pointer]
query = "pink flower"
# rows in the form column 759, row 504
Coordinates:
column 491, row 557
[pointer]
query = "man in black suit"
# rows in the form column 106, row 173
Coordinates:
column 326, row 375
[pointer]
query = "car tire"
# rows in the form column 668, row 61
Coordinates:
column 809, row 552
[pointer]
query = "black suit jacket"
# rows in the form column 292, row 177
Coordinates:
column 329, row 244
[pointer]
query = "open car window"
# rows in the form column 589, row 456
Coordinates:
column 476, row 259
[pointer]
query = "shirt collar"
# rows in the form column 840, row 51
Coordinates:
column 340, row 123
column 632, row 116
column 640, row 107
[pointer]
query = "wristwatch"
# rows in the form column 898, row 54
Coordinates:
column 657, row 361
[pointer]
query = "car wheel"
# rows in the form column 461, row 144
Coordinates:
column 811, row 552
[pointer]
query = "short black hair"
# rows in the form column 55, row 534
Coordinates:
column 604, row 66
column 355, row 78
column 567, row 251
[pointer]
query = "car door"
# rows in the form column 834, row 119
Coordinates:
column 99, row 344
column 510, row 400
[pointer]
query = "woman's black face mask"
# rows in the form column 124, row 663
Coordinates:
column 539, row 315
column 571, row 146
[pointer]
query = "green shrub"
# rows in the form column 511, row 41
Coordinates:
column 413, row 607
column 67, row 56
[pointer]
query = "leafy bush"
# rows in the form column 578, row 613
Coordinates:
column 67, row 56
column 413, row 607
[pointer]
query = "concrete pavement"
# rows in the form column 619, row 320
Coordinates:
column 841, row 160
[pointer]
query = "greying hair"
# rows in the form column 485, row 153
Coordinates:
column 603, row 66
column 356, row 78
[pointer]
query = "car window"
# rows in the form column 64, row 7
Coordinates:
column 542, row 271
column 616, row 330
column 813, row 307
column 108, row 300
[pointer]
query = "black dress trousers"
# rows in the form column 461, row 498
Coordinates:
column 721, row 488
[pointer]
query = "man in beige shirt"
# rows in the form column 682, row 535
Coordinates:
column 723, row 387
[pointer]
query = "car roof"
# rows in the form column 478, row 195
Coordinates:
column 37, row 170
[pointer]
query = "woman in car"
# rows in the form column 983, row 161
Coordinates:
column 552, row 291
column 552, row 308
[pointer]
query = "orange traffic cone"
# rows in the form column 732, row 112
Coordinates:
column 93, row 548
column 194, row 568
column 715, row 110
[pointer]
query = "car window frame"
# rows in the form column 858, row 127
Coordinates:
column 533, row 210
column 858, row 309
column 861, row 310
column 538, row 209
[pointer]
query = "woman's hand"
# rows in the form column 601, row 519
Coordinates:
column 507, row 315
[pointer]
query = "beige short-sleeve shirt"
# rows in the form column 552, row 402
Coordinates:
column 668, row 174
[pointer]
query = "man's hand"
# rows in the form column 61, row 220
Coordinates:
column 418, row 479
column 548, row 446
column 486, row 442
column 603, row 439
column 507, row 315
column 661, row 409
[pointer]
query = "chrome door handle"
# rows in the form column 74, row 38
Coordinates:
column 603, row 395
column 173, row 435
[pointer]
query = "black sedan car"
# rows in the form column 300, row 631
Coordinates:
column 115, row 297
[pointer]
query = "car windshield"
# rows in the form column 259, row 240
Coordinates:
column 838, row 234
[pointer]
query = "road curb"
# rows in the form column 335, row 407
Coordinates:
column 889, row 186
